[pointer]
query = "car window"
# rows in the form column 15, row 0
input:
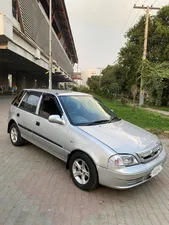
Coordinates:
column 22, row 105
column 49, row 106
column 30, row 102
column 18, row 98
column 83, row 110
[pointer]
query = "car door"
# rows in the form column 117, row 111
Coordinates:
column 14, row 111
column 47, row 135
column 26, row 114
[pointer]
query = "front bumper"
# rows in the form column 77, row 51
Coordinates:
column 128, row 177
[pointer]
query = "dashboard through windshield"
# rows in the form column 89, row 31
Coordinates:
column 84, row 110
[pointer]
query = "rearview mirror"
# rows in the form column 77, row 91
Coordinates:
column 56, row 119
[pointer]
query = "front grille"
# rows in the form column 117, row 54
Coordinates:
column 138, row 180
column 150, row 154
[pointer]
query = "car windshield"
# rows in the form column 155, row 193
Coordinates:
column 86, row 110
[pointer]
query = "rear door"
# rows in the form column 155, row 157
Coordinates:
column 26, row 113
column 14, row 109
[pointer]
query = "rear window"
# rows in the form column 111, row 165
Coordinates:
column 22, row 105
column 30, row 102
column 18, row 98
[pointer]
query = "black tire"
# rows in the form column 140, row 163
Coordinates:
column 92, row 182
column 19, row 140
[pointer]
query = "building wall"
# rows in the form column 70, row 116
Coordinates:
column 6, row 8
column 87, row 74
column 78, row 82
column 36, row 32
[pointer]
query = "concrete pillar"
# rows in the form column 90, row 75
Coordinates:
column 10, row 80
column 23, row 84
column 3, row 76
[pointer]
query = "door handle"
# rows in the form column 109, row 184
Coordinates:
column 18, row 115
column 37, row 123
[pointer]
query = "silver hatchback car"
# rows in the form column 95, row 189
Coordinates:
column 97, row 146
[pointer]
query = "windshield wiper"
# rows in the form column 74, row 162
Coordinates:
column 98, row 122
column 115, row 118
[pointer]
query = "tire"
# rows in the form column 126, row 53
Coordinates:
column 83, row 171
column 15, row 135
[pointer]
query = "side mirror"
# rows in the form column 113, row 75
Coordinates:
column 56, row 119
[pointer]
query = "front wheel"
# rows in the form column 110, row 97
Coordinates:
column 15, row 135
column 83, row 171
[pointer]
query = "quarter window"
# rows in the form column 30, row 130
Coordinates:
column 18, row 98
column 23, row 103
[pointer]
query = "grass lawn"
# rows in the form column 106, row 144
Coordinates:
column 154, row 122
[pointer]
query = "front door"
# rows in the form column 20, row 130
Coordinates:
column 47, row 135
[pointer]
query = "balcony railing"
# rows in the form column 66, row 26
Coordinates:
column 36, row 27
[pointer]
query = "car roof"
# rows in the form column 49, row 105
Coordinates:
column 58, row 92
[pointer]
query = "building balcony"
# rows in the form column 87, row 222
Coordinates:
column 24, row 29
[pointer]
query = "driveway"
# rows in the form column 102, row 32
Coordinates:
column 36, row 189
column 166, row 113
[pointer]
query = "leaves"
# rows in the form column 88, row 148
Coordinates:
column 119, row 78
column 155, row 70
column 94, row 83
column 154, row 77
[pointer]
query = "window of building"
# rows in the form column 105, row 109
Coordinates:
column 45, row 6
column 15, row 10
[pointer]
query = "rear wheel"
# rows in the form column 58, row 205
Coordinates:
column 15, row 135
column 83, row 171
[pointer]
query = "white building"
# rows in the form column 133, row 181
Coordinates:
column 24, row 42
column 77, row 78
column 89, row 73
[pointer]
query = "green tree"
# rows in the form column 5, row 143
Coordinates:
column 130, row 56
column 120, row 78
column 112, row 81
column 156, row 80
column 94, row 84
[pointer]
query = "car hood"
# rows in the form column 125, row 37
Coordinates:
column 122, row 136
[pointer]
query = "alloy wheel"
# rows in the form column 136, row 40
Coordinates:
column 14, row 135
column 81, row 171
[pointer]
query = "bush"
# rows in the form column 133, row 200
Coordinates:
column 84, row 89
column 81, row 89
column 74, row 88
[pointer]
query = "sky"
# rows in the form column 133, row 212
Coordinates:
column 99, row 27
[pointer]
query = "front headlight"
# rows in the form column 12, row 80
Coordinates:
column 122, row 160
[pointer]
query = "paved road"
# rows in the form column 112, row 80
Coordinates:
column 36, row 189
